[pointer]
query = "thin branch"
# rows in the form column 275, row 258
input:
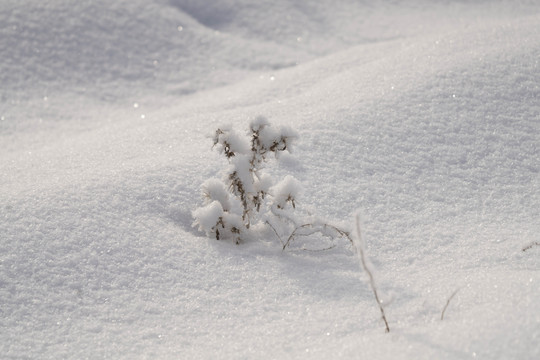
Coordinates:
column 448, row 303
column 275, row 231
column 530, row 246
column 293, row 234
column 366, row 268
column 316, row 229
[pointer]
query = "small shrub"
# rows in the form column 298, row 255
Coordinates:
column 247, row 196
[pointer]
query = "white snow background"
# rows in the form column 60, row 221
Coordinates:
column 422, row 115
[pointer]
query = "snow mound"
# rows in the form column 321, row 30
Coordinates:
column 423, row 115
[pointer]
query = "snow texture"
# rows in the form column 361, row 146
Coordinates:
column 422, row 115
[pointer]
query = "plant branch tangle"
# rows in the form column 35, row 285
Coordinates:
column 246, row 197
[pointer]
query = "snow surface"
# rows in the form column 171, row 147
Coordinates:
column 422, row 115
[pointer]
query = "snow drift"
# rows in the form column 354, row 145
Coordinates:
column 423, row 115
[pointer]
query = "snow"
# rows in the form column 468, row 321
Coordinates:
column 422, row 115
column 208, row 216
column 215, row 189
column 287, row 190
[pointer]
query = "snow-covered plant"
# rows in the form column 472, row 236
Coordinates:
column 247, row 197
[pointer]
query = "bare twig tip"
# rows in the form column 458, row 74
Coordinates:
column 448, row 303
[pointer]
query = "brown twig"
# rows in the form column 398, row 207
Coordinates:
column 316, row 229
column 366, row 268
column 448, row 303
column 275, row 231
column 530, row 246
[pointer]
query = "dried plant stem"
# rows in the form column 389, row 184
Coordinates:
column 361, row 252
column 315, row 229
column 275, row 231
column 531, row 245
column 448, row 303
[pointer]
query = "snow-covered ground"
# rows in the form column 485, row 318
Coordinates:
column 424, row 116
